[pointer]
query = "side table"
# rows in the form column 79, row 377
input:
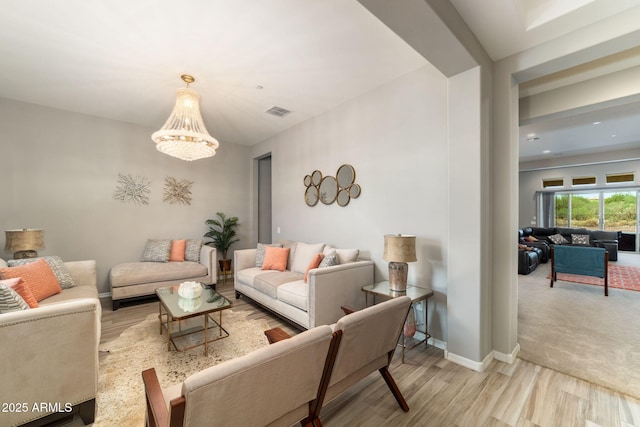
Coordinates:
column 416, row 293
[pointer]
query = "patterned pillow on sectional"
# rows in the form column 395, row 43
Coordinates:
column 192, row 250
column 10, row 300
column 580, row 239
column 330, row 258
column 156, row 250
column 558, row 239
column 37, row 276
column 57, row 266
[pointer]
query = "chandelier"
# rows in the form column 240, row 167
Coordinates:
column 184, row 135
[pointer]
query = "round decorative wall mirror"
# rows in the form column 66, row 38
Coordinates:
column 346, row 176
column 311, row 195
column 316, row 177
column 307, row 180
column 343, row 197
column 328, row 190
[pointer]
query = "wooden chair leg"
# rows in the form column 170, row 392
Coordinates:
column 394, row 388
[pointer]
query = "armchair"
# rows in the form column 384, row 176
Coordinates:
column 369, row 339
column 274, row 385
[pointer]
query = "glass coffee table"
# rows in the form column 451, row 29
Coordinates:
column 175, row 310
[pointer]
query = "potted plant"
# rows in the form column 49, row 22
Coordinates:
column 222, row 232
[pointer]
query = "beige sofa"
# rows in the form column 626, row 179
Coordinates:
column 50, row 354
column 136, row 279
column 310, row 304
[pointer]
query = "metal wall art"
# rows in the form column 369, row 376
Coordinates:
column 132, row 189
column 177, row 191
column 341, row 188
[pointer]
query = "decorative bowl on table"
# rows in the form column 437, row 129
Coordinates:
column 190, row 290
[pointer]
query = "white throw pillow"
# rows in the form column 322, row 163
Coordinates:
column 347, row 255
column 303, row 256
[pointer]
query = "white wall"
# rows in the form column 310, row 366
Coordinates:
column 60, row 170
column 396, row 139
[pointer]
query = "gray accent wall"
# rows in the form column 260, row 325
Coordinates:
column 60, row 171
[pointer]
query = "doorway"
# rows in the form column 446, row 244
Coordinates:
column 264, row 199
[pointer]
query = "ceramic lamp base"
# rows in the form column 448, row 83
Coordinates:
column 398, row 276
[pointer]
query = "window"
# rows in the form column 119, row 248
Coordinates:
column 615, row 178
column 584, row 180
column 553, row 182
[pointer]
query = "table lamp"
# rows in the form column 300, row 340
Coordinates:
column 399, row 250
column 23, row 243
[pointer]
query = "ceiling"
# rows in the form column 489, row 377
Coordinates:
column 122, row 60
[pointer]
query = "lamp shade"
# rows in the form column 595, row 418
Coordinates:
column 24, row 240
column 399, row 248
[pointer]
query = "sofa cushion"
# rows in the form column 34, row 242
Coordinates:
column 268, row 282
column 57, row 266
column 347, row 255
column 247, row 275
column 23, row 290
column 3, row 263
column 38, row 277
column 176, row 253
column 71, row 294
column 275, row 258
column 303, row 256
column 10, row 300
column 292, row 250
column 134, row 273
column 156, row 250
column 294, row 293
column 192, row 250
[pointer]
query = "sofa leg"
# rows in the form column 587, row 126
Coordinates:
column 115, row 304
column 87, row 411
column 237, row 295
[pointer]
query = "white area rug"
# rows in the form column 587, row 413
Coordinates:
column 121, row 401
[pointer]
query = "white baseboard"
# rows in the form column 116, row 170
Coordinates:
column 468, row 363
column 507, row 358
column 442, row 345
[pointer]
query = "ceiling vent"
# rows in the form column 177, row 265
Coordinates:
column 277, row 111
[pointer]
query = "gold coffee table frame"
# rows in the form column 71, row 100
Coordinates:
column 173, row 308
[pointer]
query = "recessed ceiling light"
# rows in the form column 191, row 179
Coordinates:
column 546, row 151
column 596, row 123
column 613, row 136
column 531, row 135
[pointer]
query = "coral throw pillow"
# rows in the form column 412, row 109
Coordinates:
column 37, row 276
column 177, row 250
column 275, row 258
column 315, row 262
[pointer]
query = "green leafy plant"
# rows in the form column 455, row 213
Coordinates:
column 222, row 232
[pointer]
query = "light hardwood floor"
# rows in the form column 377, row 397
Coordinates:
column 441, row 393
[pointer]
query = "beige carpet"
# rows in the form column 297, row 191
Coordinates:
column 120, row 400
column 576, row 330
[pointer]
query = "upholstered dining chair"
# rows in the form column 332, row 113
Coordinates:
column 272, row 386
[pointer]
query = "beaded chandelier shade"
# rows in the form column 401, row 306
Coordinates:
column 184, row 135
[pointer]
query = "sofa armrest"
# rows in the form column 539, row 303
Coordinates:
column 208, row 258
column 244, row 258
column 335, row 286
column 82, row 272
column 56, row 359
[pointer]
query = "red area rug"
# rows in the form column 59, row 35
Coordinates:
column 620, row 276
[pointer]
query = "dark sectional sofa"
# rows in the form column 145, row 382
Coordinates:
column 540, row 239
